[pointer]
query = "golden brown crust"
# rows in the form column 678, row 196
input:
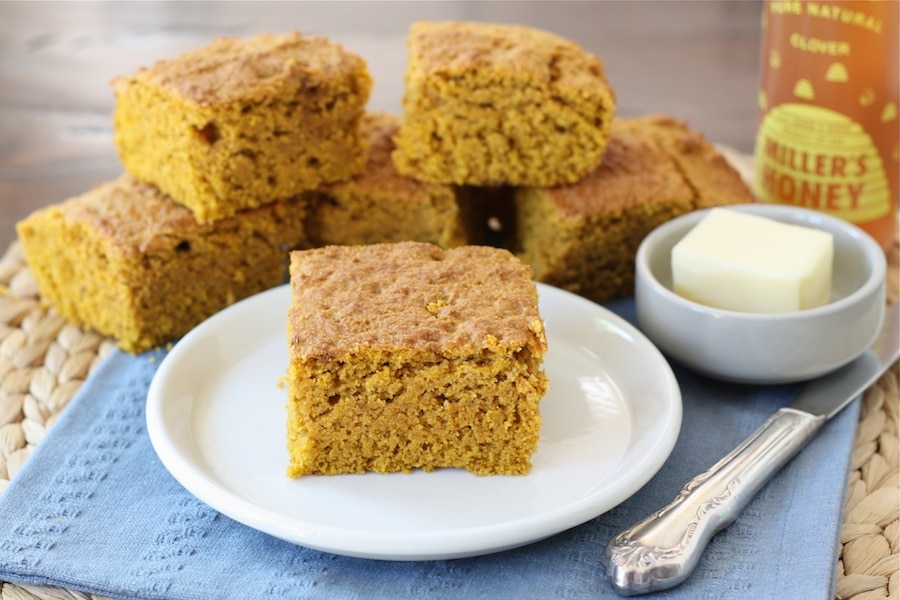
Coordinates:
column 133, row 217
column 255, row 70
column 714, row 181
column 413, row 297
column 127, row 261
column 508, row 53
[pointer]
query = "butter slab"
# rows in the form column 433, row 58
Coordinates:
column 742, row 262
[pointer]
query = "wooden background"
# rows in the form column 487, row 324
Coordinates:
column 694, row 60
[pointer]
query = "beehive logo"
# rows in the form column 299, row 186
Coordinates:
column 815, row 157
column 837, row 73
column 774, row 59
column 804, row 89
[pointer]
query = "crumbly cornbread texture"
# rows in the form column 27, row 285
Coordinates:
column 381, row 206
column 493, row 104
column 584, row 237
column 240, row 122
column 127, row 261
column 405, row 356
column 712, row 179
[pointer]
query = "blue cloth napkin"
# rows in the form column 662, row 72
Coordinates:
column 94, row 509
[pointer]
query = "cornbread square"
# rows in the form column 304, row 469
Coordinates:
column 379, row 205
column 489, row 104
column 406, row 356
column 240, row 122
column 584, row 237
column 127, row 261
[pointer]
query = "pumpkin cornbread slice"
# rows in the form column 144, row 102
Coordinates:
column 240, row 122
column 489, row 104
column 405, row 356
column 379, row 205
column 127, row 261
column 584, row 237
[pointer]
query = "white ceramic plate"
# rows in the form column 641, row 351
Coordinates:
column 216, row 418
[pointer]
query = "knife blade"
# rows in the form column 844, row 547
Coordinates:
column 662, row 550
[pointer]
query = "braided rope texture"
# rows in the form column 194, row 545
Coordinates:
column 44, row 360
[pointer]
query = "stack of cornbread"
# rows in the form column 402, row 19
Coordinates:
column 218, row 146
column 239, row 151
column 525, row 120
column 412, row 343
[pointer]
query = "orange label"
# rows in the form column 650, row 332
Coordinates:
column 829, row 131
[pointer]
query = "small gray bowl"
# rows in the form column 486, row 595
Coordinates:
column 764, row 348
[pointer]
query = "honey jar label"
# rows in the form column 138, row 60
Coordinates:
column 828, row 99
column 819, row 158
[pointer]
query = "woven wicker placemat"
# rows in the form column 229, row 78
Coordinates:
column 44, row 360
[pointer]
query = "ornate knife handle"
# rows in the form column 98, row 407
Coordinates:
column 662, row 550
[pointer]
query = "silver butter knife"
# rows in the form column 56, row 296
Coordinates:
column 662, row 550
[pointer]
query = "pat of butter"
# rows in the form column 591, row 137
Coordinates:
column 742, row 262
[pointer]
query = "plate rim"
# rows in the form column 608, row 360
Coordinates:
column 455, row 543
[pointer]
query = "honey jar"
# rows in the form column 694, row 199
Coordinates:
column 829, row 131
